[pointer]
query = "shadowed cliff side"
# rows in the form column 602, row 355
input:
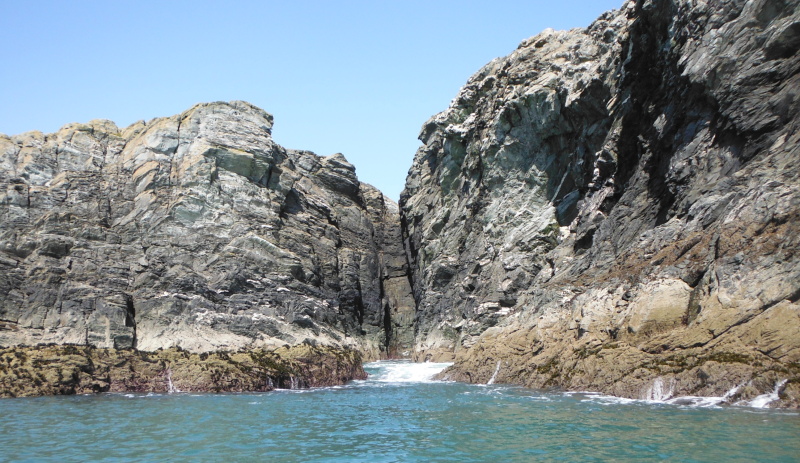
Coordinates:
column 617, row 208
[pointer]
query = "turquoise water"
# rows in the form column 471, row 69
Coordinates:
column 395, row 416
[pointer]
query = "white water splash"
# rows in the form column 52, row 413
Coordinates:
column 658, row 392
column 765, row 399
column 704, row 401
column 171, row 389
column 404, row 372
column 494, row 375
column 758, row 402
column 732, row 392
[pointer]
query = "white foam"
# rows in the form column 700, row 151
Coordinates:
column 657, row 393
column 494, row 375
column 704, row 401
column 603, row 398
column 765, row 399
column 404, row 371
column 696, row 401
column 171, row 389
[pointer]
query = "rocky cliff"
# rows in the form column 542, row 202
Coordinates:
column 617, row 208
column 195, row 231
column 613, row 208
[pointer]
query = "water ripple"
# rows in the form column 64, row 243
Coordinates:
column 384, row 419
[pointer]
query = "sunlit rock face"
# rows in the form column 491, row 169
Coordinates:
column 195, row 231
column 611, row 206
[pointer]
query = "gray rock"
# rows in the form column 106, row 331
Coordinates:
column 611, row 206
column 195, row 231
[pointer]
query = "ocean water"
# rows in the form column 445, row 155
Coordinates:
column 397, row 415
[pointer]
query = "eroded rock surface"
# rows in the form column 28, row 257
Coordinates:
column 613, row 208
column 617, row 208
column 66, row 370
column 195, row 231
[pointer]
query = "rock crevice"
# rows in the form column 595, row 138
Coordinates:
column 612, row 208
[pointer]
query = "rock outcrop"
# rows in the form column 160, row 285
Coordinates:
column 198, row 232
column 67, row 370
column 613, row 208
column 617, row 208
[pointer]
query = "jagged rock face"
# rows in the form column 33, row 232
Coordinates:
column 480, row 205
column 196, row 231
column 617, row 208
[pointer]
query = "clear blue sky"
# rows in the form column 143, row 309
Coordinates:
column 356, row 77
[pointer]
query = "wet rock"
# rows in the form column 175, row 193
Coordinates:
column 66, row 370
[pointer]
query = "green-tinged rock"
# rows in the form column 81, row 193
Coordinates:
column 617, row 208
column 58, row 370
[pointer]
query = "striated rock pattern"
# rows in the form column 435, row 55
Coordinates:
column 617, row 208
column 614, row 209
column 195, row 231
column 66, row 370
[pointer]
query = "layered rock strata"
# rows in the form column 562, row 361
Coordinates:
column 66, row 370
column 614, row 208
column 195, row 231
column 617, row 208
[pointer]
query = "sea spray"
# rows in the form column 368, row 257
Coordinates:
column 764, row 400
column 401, row 371
column 171, row 389
column 658, row 391
column 494, row 375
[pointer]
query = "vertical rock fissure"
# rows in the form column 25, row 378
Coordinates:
column 130, row 318
column 387, row 312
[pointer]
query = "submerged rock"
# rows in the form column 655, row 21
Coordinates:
column 616, row 208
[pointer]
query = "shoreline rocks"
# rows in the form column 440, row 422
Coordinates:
column 614, row 208
column 70, row 369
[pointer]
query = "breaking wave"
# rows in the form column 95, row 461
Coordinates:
column 403, row 371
